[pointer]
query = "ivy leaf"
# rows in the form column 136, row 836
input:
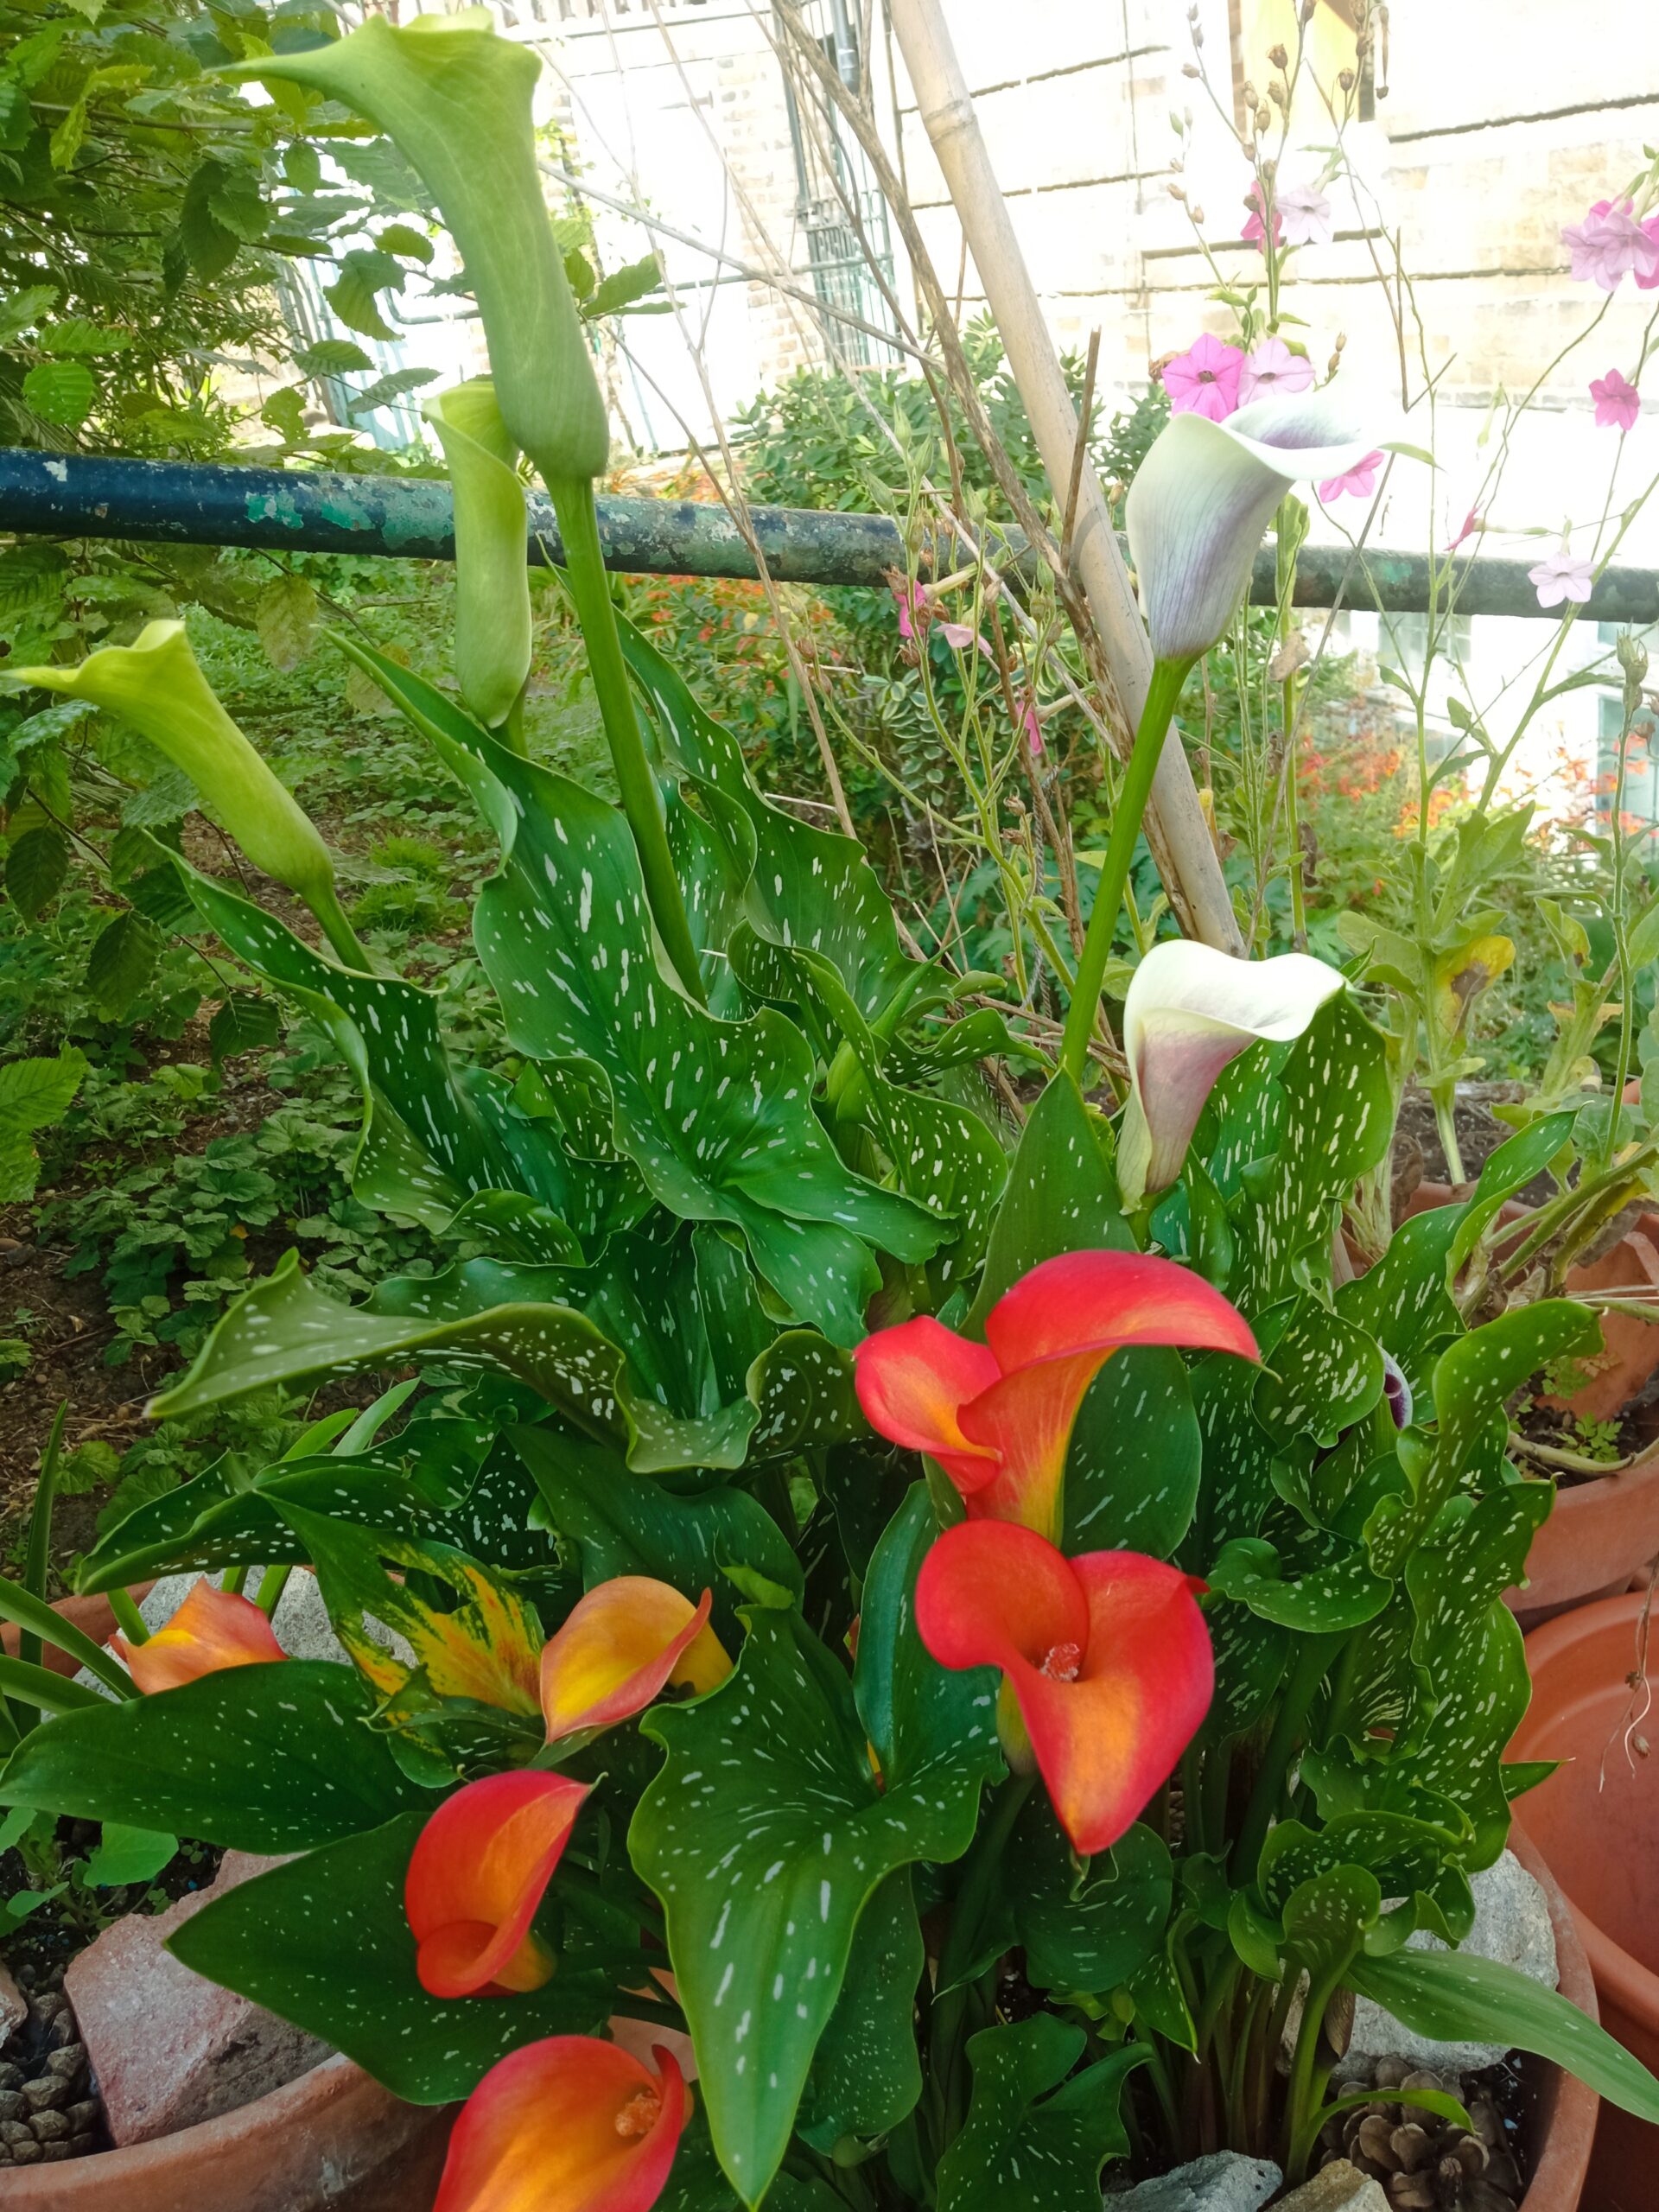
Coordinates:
column 1454, row 1998
column 285, row 615
column 121, row 963
column 1020, row 2145
column 271, row 1759
column 764, row 1866
column 324, row 1941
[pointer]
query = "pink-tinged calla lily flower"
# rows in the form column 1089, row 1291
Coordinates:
column 569, row 2125
column 211, row 1628
column 479, row 1868
column 623, row 1643
column 1188, row 1011
column 998, row 1416
column 1106, row 1664
column 1204, row 493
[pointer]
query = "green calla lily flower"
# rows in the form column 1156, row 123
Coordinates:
column 157, row 684
column 492, row 625
column 455, row 100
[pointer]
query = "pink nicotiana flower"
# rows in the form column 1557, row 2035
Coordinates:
column 1561, row 576
column 916, row 618
column 1608, row 243
column 1645, row 281
column 1204, row 379
column 1255, row 229
column 1618, row 402
column 1360, row 480
column 1031, row 723
column 1470, row 526
column 1304, row 213
column 1271, row 371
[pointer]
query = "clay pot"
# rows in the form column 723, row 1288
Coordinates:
column 1564, row 2118
column 1597, row 1822
column 331, row 2141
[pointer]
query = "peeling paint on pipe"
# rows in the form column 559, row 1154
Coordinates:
column 294, row 511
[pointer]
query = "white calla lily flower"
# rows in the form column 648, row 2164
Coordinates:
column 1206, row 492
column 1190, row 1010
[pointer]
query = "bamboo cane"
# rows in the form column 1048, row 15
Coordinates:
column 1177, row 830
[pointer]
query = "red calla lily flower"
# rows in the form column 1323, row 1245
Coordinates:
column 620, row 1647
column 479, row 1868
column 998, row 1416
column 211, row 1628
column 569, row 2125
column 1107, row 1669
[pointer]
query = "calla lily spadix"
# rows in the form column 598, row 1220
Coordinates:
column 621, row 1645
column 479, row 1870
column 212, row 1630
column 492, row 621
column 1190, row 1010
column 156, row 684
column 998, row 1416
column 1206, row 491
column 1106, row 1664
column 569, row 2125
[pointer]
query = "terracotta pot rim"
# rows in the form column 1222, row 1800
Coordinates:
column 1631, row 1986
column 1570, row 2107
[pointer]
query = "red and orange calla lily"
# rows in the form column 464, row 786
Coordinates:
column 479, row 1870
column 570, row 2125
column 621, row 1645
column 211, row 1628
column 998, row 1416
column 1107, row 1669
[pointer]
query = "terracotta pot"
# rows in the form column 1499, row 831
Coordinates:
column 1564, row 2118
column 1597, row 1822
column 333, row 2141
column 93, row 1616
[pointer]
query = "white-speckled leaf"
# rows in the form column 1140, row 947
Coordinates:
column 1036, row 2134
column 1322, row 1375
column 866, row 2075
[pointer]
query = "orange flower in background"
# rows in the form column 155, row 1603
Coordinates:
column 1106, row 1664
column 568, row 2125
column 480, row 1868
column 624, row 1643
column 998, row 1416
column 211, row 1628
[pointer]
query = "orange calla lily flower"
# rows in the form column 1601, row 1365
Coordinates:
column 622, row 1644
column 569, row 2125
column 1106, row 1668
column 998, row 1416
column 479, row 1868
column 211, row 1628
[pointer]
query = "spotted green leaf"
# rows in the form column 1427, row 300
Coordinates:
column 1322, row 1375
column 1036, row 2134
column 866, row 2075
column 1091, row 1925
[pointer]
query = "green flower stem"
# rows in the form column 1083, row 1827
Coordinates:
column 233, row 1579
column 573, row 503
column 968, row 1915
column 1302, row 2097
column 273, row 1584
column 331, row 918
column 1298, row 1693
column 128, row 1618
column 1168, row 678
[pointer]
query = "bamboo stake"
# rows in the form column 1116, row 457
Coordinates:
column 1177, row 828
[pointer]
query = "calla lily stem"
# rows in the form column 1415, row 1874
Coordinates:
column 1168, row 678
column 128, row 1618
column 578, row 518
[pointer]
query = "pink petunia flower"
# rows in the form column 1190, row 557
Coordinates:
column 1272, row 372
column 1618, row 402
column 1255, row 229
column 1561, row 576
column 1609, row 242
column 1204, row 379
column 1305, row 213
column 1360, row 480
